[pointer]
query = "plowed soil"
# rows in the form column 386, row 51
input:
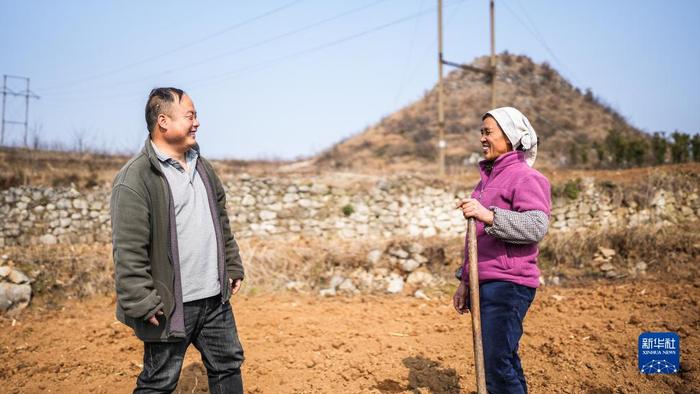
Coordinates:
column 576, row 340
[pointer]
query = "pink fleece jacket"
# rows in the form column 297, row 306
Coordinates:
column 511, row 185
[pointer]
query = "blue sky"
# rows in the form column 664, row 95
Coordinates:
column 284, row 79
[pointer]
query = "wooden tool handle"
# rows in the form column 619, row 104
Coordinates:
column 475, row 310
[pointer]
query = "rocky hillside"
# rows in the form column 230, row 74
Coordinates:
column 560, row 112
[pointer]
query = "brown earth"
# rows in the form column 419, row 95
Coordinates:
column 581, row 339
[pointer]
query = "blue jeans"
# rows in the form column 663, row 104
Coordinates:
column 211, row 327
column 503, row 308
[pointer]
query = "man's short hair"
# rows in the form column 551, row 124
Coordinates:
column 159, row 101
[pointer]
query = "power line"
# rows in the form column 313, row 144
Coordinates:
column 281, row 36
column 424, row 53
column 409, row 57
column 532, row 29
column 177, row 49
column 257, row 44
column 275, row 61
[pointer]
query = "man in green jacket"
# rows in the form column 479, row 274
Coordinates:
column 176, row 261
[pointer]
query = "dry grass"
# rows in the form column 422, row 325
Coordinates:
column 671, row 251
column 19, row 166
column 78, row 271
column 271, row 264
column 668, row 176
column 51, row 168
column 64, row 271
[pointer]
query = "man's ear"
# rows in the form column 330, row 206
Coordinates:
column 163, row 121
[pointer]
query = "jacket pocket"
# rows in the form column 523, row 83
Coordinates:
column 508, row 260
column 166, row 296
column 146, row 331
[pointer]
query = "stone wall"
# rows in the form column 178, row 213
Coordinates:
column 281, row 207
column 31, row 215
column 597, row 207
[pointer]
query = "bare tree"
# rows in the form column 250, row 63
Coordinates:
column 80, row 140
column 36, row 136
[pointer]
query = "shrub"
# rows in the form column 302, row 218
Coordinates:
column 695, row 147
column 506, row 58
column 616, row 146
column 422, row 135
column 548, row 74
column 659, row 146
column 571, row 189
column 573, row 154
column 680, row 147
column 584, row 155
column 636, row 151
column 348, row 210
column 600, row 152
column 426, row 150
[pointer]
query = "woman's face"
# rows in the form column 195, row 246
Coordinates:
column 493, row 141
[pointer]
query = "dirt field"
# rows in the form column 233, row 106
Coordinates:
column 576, row 340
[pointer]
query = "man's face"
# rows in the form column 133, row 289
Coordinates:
column 493, row 141
column 180, row 124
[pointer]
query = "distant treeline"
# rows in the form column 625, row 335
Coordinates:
column 625, row 149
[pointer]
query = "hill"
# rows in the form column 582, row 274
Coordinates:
column 560, row 112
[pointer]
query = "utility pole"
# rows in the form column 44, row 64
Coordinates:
column 441, row 112
column 27, row 94
column 4, row 98
column 490, row 72
column 493, row 54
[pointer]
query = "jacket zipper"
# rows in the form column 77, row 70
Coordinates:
column 170, row 248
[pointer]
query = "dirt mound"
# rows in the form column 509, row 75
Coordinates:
column 576, row 340
column 407, row 139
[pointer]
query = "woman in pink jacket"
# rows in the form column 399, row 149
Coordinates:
column 511, row 205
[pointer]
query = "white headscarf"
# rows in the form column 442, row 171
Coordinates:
column 518, row 130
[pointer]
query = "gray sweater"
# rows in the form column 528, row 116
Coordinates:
column 196, row 236
column 518, row 227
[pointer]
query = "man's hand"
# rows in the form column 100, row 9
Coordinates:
column 153, row 320
column 472, row 208
column 235, row 286
column 461, row 299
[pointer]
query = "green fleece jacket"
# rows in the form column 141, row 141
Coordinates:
column 145, row 250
